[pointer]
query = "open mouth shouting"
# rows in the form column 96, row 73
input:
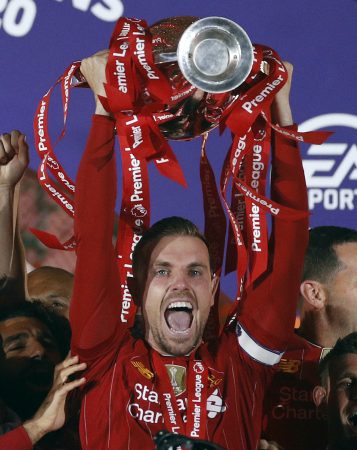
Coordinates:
column 179, row 316
column 352, row 421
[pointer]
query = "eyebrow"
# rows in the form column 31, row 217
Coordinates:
column 162, row 264
column 197, row 264
column 16, row 337
column 347, row 375
column 190, row 266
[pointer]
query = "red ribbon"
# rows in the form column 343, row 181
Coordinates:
column 197, row 388
column 215, row 233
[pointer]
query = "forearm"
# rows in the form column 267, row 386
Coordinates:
column 94, row 306
column 12, row 261
column 268, row 311
column 290, row 237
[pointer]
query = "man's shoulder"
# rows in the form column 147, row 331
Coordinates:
column 307, row 349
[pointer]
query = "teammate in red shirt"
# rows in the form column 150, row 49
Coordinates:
column 337, row 393
column 170, row 379
column 328, row 312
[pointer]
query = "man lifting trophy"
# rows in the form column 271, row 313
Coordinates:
column 179, row 380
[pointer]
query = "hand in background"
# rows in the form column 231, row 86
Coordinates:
column 51, row 414
column 14, row 157
column 265, row 445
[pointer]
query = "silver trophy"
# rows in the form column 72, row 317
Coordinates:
column 214, row 54
column 211, row 58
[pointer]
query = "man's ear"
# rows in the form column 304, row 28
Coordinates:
column 313, row 293
column 215, row 284
column 319, row 395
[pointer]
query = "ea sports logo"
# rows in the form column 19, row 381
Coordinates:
column 331, row 168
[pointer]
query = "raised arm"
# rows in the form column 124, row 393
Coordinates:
column 13, row 163
column 269, row 308
column 94, row 307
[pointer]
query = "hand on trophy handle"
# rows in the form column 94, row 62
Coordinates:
column 93, row 69
column 281, row 111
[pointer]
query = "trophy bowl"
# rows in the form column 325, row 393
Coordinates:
column 214, row 56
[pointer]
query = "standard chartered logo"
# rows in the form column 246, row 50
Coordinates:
column 18, row 16
column 331, row 168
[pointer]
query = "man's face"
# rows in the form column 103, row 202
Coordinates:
column 53, row 288
column 29, row 355
column 342, row 402
column 342, row 287
column 179, row 292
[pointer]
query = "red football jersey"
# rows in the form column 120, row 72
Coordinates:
column 121, row 407
column 291, row 417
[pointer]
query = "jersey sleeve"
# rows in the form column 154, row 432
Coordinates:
column 16, row 439
column 94, row 307
column 267, row 315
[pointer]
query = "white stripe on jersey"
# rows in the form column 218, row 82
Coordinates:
column 255, row 350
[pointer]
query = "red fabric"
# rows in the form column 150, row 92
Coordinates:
column 268, row 308
column 16, row 439
column 120, row 409
column 291, row 418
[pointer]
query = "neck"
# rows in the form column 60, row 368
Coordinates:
column 316, row 328
column 325, row 326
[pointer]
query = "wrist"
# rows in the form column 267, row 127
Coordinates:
column 35, row 430
column 281, row 113
column 99, row 109
column 7, row 187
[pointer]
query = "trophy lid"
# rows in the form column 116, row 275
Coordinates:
column 215, row 54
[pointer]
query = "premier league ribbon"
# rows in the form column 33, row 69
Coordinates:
column 197, row 388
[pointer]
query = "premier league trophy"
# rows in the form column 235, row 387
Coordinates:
column 214, row 55
column 200, row 58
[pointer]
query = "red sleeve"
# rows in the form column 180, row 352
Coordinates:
column 16, row 439
column 94, row 306
column 269, row 308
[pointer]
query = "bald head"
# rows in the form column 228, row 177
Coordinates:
column 52, row 287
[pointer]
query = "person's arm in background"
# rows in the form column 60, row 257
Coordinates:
column 268, row 311
column 13, row 163
column 51, row 414
column 271, row 445
column 94, row 308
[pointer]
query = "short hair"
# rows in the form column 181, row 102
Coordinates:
column 170, row 226
column 321, row 260
column 343, row 346
column 50, row 271
column 58, row 325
